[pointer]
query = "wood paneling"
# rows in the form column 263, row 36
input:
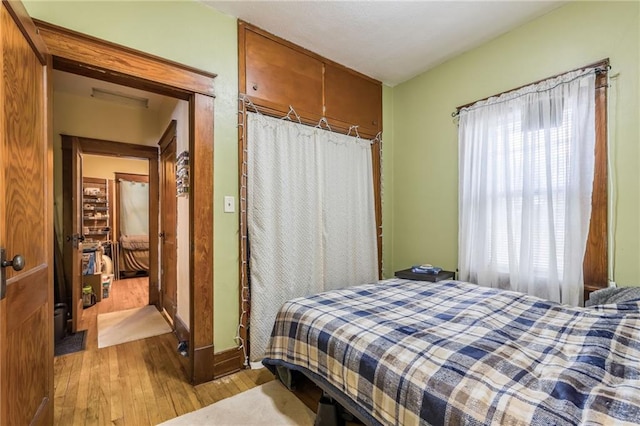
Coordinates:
column 201, row 230
column 285, row 75
column 77, row 50
column 352, row 100
column 277, row 74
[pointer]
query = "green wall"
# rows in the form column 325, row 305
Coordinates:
column 193, row 34
column 419, row 150
column 424, row 171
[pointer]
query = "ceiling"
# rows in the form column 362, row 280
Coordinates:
column 391, row 41
column 83, row 86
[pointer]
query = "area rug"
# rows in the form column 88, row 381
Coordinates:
column 268, row 404
column 71, row 343
column 133, row 324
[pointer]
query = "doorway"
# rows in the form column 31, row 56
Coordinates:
column 125, row 232
column 90, row 208
column 88, row 56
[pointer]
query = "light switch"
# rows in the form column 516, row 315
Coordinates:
column 229, row 204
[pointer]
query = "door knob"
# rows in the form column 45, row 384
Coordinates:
column 17, row 263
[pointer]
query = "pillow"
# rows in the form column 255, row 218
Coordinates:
column 613, row 295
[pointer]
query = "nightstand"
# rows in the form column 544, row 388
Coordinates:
column 408, row 275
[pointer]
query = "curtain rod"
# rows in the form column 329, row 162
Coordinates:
column 600, row 67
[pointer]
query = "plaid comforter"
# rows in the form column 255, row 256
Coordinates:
column 454, row 353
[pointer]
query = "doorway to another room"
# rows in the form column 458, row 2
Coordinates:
column 193, row 89
column 110, row 205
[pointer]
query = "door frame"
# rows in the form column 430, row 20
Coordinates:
column 91, row 57
column 70, row 147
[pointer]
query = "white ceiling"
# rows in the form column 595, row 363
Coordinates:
column 391, row 41
column 82, row 86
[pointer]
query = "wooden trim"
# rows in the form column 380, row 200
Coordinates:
column 181, row 329
column 73, row 50
column 201, row 210
column 132, row 177
column 111, row 148
column 203, row 364
column 243, row 266
column 83, row 51
column 278, row 111
column 28, row 28
column 377, row 190
column 227, row 362
column 596, row 263
column 165, row 139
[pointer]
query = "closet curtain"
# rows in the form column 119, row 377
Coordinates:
column 310, row 216
column 526, row 165
column 134, row 208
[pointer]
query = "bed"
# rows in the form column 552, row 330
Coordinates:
column 134, row 254
column 452, row 353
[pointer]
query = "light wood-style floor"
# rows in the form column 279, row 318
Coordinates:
column 136, row 383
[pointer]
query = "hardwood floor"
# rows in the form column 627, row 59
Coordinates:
column 136, row 383
column 125, row 294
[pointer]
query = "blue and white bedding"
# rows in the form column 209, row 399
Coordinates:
column 453, row 353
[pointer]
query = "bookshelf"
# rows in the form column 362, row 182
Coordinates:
column 97, row 211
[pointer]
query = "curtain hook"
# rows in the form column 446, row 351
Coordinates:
column 326, row 123
column 292, row 111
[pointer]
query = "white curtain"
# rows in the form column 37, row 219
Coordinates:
column 134, row 208
column 526, row 164
column 310, row 214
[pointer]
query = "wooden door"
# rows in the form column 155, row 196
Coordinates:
column 77, row 237
column 26, row 219
column 278, row 75
column 353, row 100
column 168, row 224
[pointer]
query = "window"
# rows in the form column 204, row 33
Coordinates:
column 530, row 163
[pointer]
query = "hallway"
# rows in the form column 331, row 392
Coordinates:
column 136, row 383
